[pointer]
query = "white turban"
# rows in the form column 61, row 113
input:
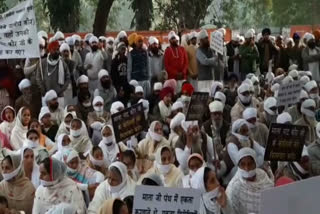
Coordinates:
column 145, row 104
column 202, row 34
column 235, row 37
column 283, row 118
column 222, row 30
column 134, row 83
column 176, row 105
column 122, row 34
column 275, row 87
column 192, row 35
column 97, row 99
column 50, row 95
column 52, row 39
column 294, row 74
column 186, row 124
column 307, row 104
column 58, row 35
column 172, row 35
column 115, row 106
column 238, row 124
column 269, row 103
column 25, row 83
column 310, row 85
column 214, row 87
column 220, row 96
column 305, row 79
column 83, row 79
column 110, row 39
column 153, row 40
column 138, row 89
column 177, row 120
column 157, row 86
column 308, row 36
column 293, row 67
column 243, row 88
column 318, row 130
column 254, row 79
column 269, row 77
column 44, row 110
column 216, row 106
column 288, row 40
column 64, row 47
column 249, row 34
column 42, row 34
column 76, row 37
column 42, row 42
column 102, row 38
column 93, row 39
column 70, row 41
column 247, row 152
column 303, row 95
column 309, row 73
column 249, row 113
column 87, row 37
column 102, row 73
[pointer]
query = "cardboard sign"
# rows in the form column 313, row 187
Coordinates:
column 18, row 32
column 289, row 93
column 217, row 42
column 285, row 142
column 300, row 197
column 152, row 199
column 198, row 106
column 128, row 122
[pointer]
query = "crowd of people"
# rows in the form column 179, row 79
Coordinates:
column 58, row 149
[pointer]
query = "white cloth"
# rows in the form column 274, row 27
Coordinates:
column 177, row 120
column 96, row 60
column 5, row 126
column 102, row 73
column 61, row 149
column 216, row 106
column 44, row 110
column 35, row 176
column 19, row 132
column 50, row 95
column 283, row 118
column 314, row 66
column 205, row 85
column 165, row 111
column 82, row 79
column 25, row 83
column 61, row 69
column 110, row 153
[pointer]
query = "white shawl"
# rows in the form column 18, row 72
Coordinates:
column 35, row 176
column 109, row 153
column 165, row 111
column 5, row 126
column 19, row 132
column 61, row 73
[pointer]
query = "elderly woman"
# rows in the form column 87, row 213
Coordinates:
column 63, row 146
column 56, row 188
column 18, row 135
column 64, row 127
column 79, row 137
column 240, row 138
column 195, row 162
column 244, row 190
column 17, row 188
column 30, row 166
column 113, row 206
column 118, row 185
column 163, row 166
column 213, row 197
column 96, row 160
column 148, row 147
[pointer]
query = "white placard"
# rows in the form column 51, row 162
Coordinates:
column 296, row 198
column 289, row 93
column 159, row 200
column 18, row 32
column 217, row 42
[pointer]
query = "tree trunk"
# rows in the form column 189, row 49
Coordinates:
column 101, row 18
column 143, row 14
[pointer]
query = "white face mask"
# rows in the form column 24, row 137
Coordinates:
column 71, row 171
column 32, row 144
column 96, row 162
column 75, row 133
column 86, row 104
column 252, row 126
column 245, row 174
column 245, row 99
column 98, row 108
column 48, row 183
column 9, row 176
column 116, row 189
column 314, row 96
column 108, row 140
column 308, row 112
column 164, row 169
column 209, row 199
column 155, row 136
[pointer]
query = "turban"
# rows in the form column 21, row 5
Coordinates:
column 50, row 95
column 249, row 34
column 76, row 37
column 93, row 39
column 172, row 83
column 287, row 80
column 293, row 67
column 254, row 79
column 70, row 41
column 186, row 124
column 269, row 103
column 266, row 31
column 192, row 35
column 310, row 85
column 115, row 106
column 121, row 34
column 102, row 38
column 42, row 42
column 172, row 35
column 138, row 38
column 44, row 111
column 303, row 95
column 83, row 79
column 305, row 79
column 153, row 40
column 203, row 34
column 97, row 99
column 177, row 120
column 187, row 87
column 283, row 118
column 220, row 96
column 176, row 105
column 165, row 92
column 58, row 35
column 87, row 37
column 243, row 88
column 134, row 83
column 308, row 103
column 53, row 46
column 64, row 47
column 43, row 34
column 308, row 73
column 145, row 104
column 249, row 113
column 110, row 39
column 132, row 38
column 102, row 73
column 157, row 86
column 214, row 87
column 238, row 124
column 308, row 37
column 247, row 152
column 25, row 83
column 289, row 40
column 216, row 106
column 294, row 74
column 138, row 89
column 235, row 37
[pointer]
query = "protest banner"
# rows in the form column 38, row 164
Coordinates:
column 197, row 106
column 18, row 32
column 285, row 142
column 296, row 198
column 217, row 42
column 156, row 200
column 128, row 122
column 289, row 94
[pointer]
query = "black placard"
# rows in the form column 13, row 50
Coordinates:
column 285, row 142
column 128, row 122
column 198, row 106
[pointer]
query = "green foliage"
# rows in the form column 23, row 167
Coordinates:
column 143, row 17
column 3, row 6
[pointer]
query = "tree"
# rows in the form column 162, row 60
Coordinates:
column 3, row 6
column 101, row 17
column 143, row 17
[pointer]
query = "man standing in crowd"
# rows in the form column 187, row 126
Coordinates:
column 233, row 55
column 193, row 66
column 311, row 58
column 267, row 51
column 176, row 60
column 155, row 60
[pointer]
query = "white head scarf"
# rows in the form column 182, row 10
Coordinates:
column 214, row 87
column 25, row 83
column 310, row 85
column 157, row 86
column 115, row 106
column 35, row 176
column 245, row 152
column 220, row 96
column 283, row 118
column 102, row 73
column 44, row 110
column 268, row 104
column 19, row 132
column 249, row 113
column 186, row 124
column 305, row 108
column 123, row 189
column 177, row 120
column 216, row 106
column 109, row 147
